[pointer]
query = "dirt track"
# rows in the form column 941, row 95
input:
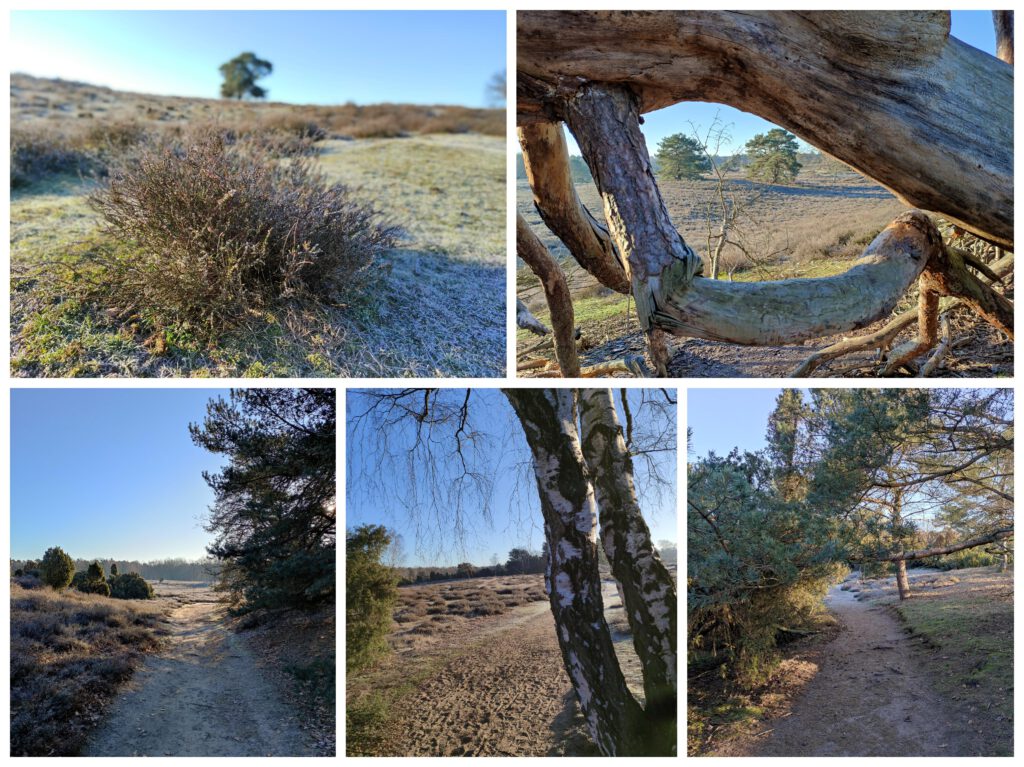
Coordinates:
column 204, row 696
column 508, row 696
column 872, row 696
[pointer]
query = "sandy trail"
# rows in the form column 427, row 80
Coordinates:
column 204, row 696
column 508, row 695
column 872, row 696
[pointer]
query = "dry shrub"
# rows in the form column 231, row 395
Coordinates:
column 217, row 230
column 44, row 150
column 69, row 652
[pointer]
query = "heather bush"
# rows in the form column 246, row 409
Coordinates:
column 218, row 230
column 130, row 586
column 57, row 568
column 44, row 150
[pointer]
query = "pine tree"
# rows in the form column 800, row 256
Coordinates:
column 681, row 157
column 773, row 157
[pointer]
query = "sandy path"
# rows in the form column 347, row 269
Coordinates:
column 204, row 696
column 872, row 696
column 507, row 696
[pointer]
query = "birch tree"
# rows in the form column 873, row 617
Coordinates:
column 581, row 458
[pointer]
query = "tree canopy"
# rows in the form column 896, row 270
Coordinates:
column 240, row 76
column 274, row 511
column 681, row 157
column 773, row 157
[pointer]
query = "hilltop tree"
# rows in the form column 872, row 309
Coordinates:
column 57, row 568
column 240, row 76
column 581, row 461
column 113, row 570
column 497, row 89
column 274, row 504
column 681, row 157
column 773, row 157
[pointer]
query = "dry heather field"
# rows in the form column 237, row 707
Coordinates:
column 475, row 670
column 70, row 655
column 813, row 228
column 429, row 303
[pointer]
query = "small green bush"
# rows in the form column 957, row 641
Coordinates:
column 130, row 586
column 95, row 572
column 370, row 590
column 219, row 230
column 57, row 568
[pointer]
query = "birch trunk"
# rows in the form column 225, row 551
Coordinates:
column 647, row 590
column 614, row 717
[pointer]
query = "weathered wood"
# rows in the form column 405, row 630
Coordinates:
column 556, row 291
column 526, row 320
column 881, row 339
column 888, row 93
column 670, row 297
column 1003, row 21
column 546, row 159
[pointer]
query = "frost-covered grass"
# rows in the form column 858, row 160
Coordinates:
column 438, row 312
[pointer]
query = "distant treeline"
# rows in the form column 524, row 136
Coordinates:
column 175, row 569
column 521, row 561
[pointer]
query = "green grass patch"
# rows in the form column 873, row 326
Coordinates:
column 969, row 628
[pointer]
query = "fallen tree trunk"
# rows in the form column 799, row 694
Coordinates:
column 889, row 93
column 669, row 295
column 546, row 159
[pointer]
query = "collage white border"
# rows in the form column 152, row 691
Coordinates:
column 341, row 385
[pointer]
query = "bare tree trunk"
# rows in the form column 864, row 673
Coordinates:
column 556, row 291
column 891, row 94
column 902, row 582
column 546, row 159
column 649, row 594
column 614, row 717
column 1003, row 21
column 605, row 122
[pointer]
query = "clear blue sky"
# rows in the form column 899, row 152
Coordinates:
column 515, row 505
column 972, row 27
column 721, row 419
column 319, row 57
column 109, row 473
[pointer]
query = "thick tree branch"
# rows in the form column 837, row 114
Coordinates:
column 889, row 93
column 556, row 291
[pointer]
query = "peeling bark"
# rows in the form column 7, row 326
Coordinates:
column 546, row 159
column 647, row 590
column 614, row 717
column 556, row 291
column 890, row 94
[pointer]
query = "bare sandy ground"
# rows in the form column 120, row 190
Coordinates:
column 203, row 696
column 508, row 695
column 871, row 696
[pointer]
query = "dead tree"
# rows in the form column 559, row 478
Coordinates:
column 888, row 93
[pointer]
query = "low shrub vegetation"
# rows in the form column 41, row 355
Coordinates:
column 216, row 230
column 70, row 653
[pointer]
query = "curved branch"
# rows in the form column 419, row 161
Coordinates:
column 556, row 291
column 888, row 93
column 998, row 535
column 671, row 299
column 546, row 159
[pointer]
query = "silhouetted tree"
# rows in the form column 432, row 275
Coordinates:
column 274, row 508
column 240, row 76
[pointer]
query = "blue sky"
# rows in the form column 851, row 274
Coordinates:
column 722, row 419
column 972, row 27
column 503, row 456
column 319, row 57
column 109, row 473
